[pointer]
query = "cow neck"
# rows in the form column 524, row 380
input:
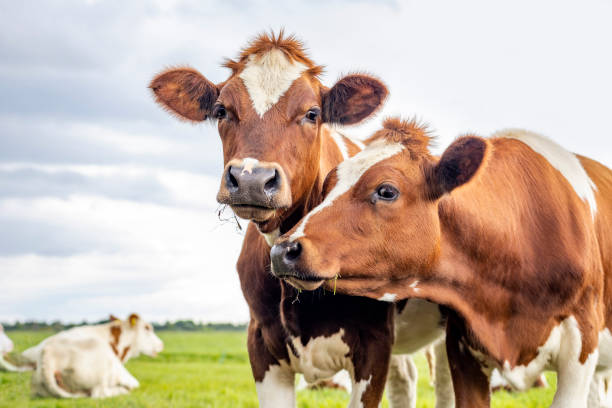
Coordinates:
column 119, row 342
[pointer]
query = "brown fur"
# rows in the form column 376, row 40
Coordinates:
column 115, row 334
column 512, row 251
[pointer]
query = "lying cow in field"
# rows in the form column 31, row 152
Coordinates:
column 88, row 360
column 512, row 234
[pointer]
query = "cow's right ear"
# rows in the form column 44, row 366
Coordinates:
column 113, row 318
column 459, row 164
column 352, row 99
column 186, row 93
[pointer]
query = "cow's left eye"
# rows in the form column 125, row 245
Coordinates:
column 386, row 192
column 312, row 115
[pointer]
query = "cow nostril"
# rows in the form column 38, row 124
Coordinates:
column 272, row 184
column 231, row 181
column 293, row 251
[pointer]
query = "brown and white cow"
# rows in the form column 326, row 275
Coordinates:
column 274, row 118
column 88, row 360
column 118, row 334
column 512, row 234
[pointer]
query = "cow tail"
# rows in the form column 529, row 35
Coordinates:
column 47, row 368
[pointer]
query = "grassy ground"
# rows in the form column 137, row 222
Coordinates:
column 211, row 369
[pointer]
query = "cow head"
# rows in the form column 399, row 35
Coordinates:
column 135, row 336
column 378, row 223
column 6, row 345
column 269, row 114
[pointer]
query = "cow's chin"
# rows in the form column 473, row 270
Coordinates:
column 304, row 284
column 253, row 213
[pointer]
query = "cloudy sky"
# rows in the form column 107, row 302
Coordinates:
column 107, row 203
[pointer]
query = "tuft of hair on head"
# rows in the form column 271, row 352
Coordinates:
column 290, row 45
column 414, row 135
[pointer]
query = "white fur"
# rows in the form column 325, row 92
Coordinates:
column 6, row 345
column 277, row 388
column 358, row 143
column 349, row 172
column 321, row 358
column 342, row 378
column 560, row 352
column 358, row 389
column 268, row 76
column 566, row 162
column 139, row 340
column 87, row 366
column 87, row 362
column 388, row 297
column 340, row 143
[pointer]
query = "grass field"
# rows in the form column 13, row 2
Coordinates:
column 211, row 369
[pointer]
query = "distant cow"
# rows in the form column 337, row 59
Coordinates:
column 512, row 234
column 6, row 346
column 88, row 360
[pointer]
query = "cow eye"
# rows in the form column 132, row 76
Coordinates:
column 312, row 115
column 386, row 192
column 219, row 112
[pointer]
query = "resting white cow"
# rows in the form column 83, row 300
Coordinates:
column 6, row 346
column 88, row 360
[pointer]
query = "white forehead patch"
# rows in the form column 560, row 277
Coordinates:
column 349, row 172
column 267, row 77
column 566, row 162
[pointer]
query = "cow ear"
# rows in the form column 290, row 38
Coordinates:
column 458, row 165
column 113, row 318
column 133, row 319
column 352, row 99
column 186, row 93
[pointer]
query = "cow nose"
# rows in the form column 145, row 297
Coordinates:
column 258, row 184
column 284, row 256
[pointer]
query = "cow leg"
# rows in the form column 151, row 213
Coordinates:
column 125, row 378
column 371, row 365
column 402, row 382
column 445, row 395
column 470, row 384
column 600, row 392
column 274, row 380
column 574, row 379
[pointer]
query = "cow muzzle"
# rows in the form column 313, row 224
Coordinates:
column 254, row 190
column 286, row 264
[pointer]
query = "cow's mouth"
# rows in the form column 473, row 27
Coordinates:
column 257, row 213
column 311, row 283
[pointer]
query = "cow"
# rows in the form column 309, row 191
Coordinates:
column 512, row 235
column 276, row 122
column 87, row 361
column 6, row 346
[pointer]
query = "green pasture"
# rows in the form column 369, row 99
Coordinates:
column 211, row 369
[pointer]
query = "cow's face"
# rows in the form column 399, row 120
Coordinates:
column 269, row 115
column 6, row 345
column 379, row 220
column 145, row 341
